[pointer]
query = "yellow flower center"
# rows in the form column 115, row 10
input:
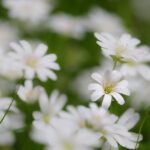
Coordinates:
column 108, row 88
column 46, row 118
column 121, row 48
column 32, row 62
column 67, row 146
column 30, row 94
column 131, row 63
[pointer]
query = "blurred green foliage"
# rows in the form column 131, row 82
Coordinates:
column 75, row 56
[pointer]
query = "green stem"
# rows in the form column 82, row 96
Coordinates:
column 6, row 112
column 115, row 64
column 8, row 109
column 140, row 130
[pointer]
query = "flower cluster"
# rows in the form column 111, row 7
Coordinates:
column 60, row 127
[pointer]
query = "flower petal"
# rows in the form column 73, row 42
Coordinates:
column 118, row 98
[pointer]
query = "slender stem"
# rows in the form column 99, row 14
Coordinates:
column 6, row 112
column 115, row 64
column 140, row 130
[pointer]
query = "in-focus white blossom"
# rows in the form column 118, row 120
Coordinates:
column 124, row 47
column 99, row 20
column 34, row 61
column 112, row 130
column 29, row 11
column 65, row 136
column 107, row 86
column 67, row 25
column 84, row 79
column 49, row 106
column 133, row 68
column 8, row 33
column 28, row 93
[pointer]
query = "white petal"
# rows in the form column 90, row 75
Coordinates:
column 95, row 86
column 97, row 77
column 118, row 98
column 145, row 71
column 26, row 46
column 106, row 101
column 96, row 95
column 16, row 47
column 29, row 73
column 41, row 50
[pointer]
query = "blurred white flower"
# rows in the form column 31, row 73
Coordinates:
column 30, row 11
column 65, row 136
column 13, row 120
column 4, row 104
column 124, row 47
column 140, row 92
column 50, row 107
column 133, row 68
column 108, row 85
column 67, row 25
column 112, row 130
column 8, row 33
column 34, row 61
column 99, row 20
column 9, row 69
column 28, row 93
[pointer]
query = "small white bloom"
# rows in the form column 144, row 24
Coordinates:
column 9, row 69
column 133, row 68
column 108, row 85
column 111, row 129
column 8, row 33
column 28, row 93
column 100, row 20
column 28, row 11
column 34, row 61
column 140, row 92
column 124, row 47
column 83, row 79
column 50, row 107
column 13, row 120
column 65, row 136
column 67, row 25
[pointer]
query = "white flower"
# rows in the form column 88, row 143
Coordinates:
column 108, row 85
column 83, row 79
column 9, row 69
column 140, row 92
column 112, row 130
column 124, row 47
column 65, row 136
column 100, row 20
column 67, row 25
column 93, row 118
column 4, row 104
column 34, row 61
column 133, row 68
column 12, row 121
column 28, row 11
column 29, row 94
column 50, row 107
column 8, row 33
